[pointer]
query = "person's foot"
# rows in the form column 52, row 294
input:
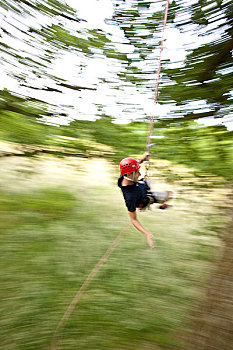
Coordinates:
column 164, row 206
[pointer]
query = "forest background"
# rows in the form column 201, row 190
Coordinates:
column 86, row 112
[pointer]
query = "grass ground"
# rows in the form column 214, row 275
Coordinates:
column 57, row 218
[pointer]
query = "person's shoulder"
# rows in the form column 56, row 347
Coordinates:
column 141, row 184
column 119, row 181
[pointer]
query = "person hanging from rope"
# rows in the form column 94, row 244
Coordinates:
column 137, row 193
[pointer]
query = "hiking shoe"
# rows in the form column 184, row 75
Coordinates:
column 164, row 206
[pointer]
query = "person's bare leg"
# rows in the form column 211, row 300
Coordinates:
column 164, row 205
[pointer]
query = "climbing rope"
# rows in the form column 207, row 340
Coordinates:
column 55, row 343
column 156, row 86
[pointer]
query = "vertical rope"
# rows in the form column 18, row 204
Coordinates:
column 158, row 75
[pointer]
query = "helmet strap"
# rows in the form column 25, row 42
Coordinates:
column 128, row 178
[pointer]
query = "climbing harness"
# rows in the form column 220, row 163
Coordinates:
column 147, row 163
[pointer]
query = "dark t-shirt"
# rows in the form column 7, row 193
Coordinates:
column 133, row 194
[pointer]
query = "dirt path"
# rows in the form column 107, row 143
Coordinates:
column 212, row 325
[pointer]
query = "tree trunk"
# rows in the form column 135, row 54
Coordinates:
column 212, row 325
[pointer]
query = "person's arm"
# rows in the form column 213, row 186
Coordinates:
column 145, row 156
column 139, row 227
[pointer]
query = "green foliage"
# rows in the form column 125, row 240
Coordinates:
column 34, row 208
column 61, row 38
column 201, row 78
column 29, row 107
column 205, row 73
column 46, row 7
column 121, row 138
column 19, row 128
column 208, row 149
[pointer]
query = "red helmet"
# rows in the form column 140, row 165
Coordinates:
column 129, row 165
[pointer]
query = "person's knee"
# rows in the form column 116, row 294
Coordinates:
column 169, row 194
column 162, row 196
